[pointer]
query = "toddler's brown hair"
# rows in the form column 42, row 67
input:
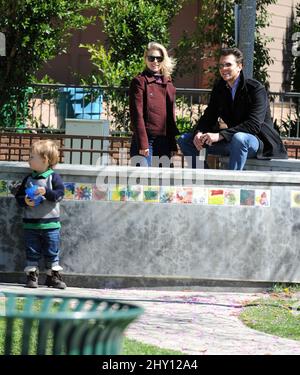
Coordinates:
column 47, row 150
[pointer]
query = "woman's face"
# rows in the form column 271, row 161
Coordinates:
column 154, row 60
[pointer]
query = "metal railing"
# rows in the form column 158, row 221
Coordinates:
column 80, row 149
column 47, row 106
column 77, row 149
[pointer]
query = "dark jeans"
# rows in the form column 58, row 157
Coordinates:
column 159, row 153
column 42, row 242
column 241, row 147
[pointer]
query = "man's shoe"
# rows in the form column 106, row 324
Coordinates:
column 55, row 280
column 32, row 279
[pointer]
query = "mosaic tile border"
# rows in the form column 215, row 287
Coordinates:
column 214, row 195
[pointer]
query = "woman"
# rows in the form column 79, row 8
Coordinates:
column 152, row 112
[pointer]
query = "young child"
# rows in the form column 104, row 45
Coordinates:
column 40, row 194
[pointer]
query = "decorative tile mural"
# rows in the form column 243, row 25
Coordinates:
column 213, row 195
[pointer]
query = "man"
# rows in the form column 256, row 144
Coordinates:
column 237, row 121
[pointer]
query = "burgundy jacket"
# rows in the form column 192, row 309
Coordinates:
column 152, row 110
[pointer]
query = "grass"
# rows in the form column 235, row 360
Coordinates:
column 286, row 288
column 277, row 314
column 130, row 347
column 133, row 347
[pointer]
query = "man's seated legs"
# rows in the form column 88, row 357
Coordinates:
column 242, row 147
column 191, row 153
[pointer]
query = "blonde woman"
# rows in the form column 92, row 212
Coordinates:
column 152, row 112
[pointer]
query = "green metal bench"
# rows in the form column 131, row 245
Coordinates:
column 59, row 324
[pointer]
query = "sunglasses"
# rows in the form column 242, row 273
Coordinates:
column 153, row 58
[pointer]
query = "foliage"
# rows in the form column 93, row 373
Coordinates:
column 296, row 59
column 35, row 32
column 213, row 31
column 184, row 124
column 289, row 127
column 129, row 26
column 286, row 288
column 185, row 120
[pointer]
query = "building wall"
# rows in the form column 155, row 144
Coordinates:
column 282, row 14
column 77, row 59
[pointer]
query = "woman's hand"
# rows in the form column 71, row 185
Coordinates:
column 144, row 152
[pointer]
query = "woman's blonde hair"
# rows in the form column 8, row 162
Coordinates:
column 168, row 64
column 47, row 150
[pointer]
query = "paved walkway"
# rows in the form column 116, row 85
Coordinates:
column 189, row 321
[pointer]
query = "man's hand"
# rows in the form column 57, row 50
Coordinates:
column 198, row 142
column 222, row 124
column 210, row 138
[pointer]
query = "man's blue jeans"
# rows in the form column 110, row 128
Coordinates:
column 241, row 147
column 42, row 242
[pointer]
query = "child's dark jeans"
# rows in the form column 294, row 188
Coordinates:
column 42, row 242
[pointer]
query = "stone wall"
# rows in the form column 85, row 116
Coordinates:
column 232, row 226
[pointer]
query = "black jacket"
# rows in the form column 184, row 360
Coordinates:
column 249, row 112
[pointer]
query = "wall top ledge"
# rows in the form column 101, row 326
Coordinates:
column 162, row 173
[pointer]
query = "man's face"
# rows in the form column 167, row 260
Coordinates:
column 229, row 69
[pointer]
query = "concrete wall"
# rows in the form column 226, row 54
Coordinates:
column 207, row 240
column 287, row 165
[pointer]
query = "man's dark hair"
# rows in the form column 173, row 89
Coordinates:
column 235, row 52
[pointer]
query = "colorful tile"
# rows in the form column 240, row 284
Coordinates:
column 135, row 193
column 199, row 195
column 263, row 198
column 167, row 194
column 69, row 190
column 3, row 188
column 100, row 192
column 216, row 196
column 247, row 197
column 184, row 194
column 118, row 193
column 295, row 199
column 83, row 192
column 151, row 194
column 232, row 197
